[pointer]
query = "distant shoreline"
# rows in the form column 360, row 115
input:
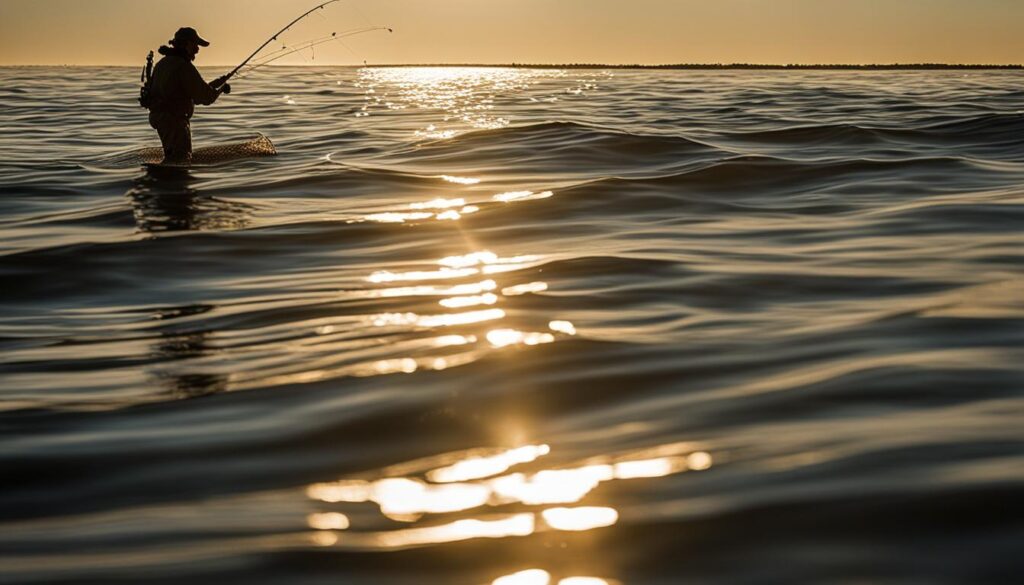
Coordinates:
column 677, row 66
column 726, row 66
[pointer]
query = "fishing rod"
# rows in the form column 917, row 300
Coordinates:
column 274, row 38
column 285, row 51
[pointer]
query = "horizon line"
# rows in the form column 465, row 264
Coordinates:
column 584, row 65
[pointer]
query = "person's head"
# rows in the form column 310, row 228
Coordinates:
column 189, row 41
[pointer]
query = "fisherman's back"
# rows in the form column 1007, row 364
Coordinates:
column 177, row 87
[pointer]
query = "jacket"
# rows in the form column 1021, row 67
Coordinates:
column 177, row 86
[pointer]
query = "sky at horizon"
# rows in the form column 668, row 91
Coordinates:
column 121, row 32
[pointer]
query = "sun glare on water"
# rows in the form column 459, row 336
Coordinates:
column 478, row 480
column 465, row 95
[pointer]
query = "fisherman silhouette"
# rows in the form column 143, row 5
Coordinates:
column 176, row 88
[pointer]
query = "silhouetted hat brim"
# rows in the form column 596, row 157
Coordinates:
column 190, row 34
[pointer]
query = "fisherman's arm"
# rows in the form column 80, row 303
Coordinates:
column 202, row 93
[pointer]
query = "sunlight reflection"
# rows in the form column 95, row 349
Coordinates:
column 542, row 577
column 404, row 365
column 471, row 259
column 562, row 327
column 452, row 361
column 431, row 132
column 445, row 273
column 459, row 297
column 460, row 180
column 506, row 337
column 579, row 519
column 649, row 468
column 464, row 95
column 521, row 196
column 446, row 320
column 452, row 488
column 513, row 525
column 324, row 538
column 449, row 215
column 481, row 467
column 404, row 216
column 522, row 289
column 440, row 209
column 355, row 490
column 500, row 268
column 472, row 481
column 486, row 258
column 328, row 521
column 460, row 302
column 457, row 290
column 439, row 203
column 699, row 461
column 460, row 266
column 554, row 486
column 398, row 217
column 402, row 496
column 450, row 340
column 527, row 577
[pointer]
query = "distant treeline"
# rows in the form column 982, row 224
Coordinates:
column 713, row 66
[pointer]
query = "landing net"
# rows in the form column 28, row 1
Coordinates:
column 257, row 146
column 217, row 153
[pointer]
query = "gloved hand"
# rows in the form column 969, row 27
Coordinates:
column 218, row 82
column 227, row 88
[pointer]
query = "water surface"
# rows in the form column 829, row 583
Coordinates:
column 514, row 326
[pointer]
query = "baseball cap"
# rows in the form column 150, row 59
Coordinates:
column 188, row 33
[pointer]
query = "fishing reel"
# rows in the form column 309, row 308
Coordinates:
column 222, row 84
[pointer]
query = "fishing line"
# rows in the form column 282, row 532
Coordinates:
column 282, row 50
column 286, row 51
column 350, row 51
column 362, row 15
column 275, row 35
column 305, row 44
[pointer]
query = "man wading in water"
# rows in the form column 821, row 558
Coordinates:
column 176, row 89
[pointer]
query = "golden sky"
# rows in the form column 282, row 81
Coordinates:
column 120, row 32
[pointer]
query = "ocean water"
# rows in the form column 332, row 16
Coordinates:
column 513, row 326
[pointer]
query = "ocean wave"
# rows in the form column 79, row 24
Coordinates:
column 997, row 130
column 556, row 147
